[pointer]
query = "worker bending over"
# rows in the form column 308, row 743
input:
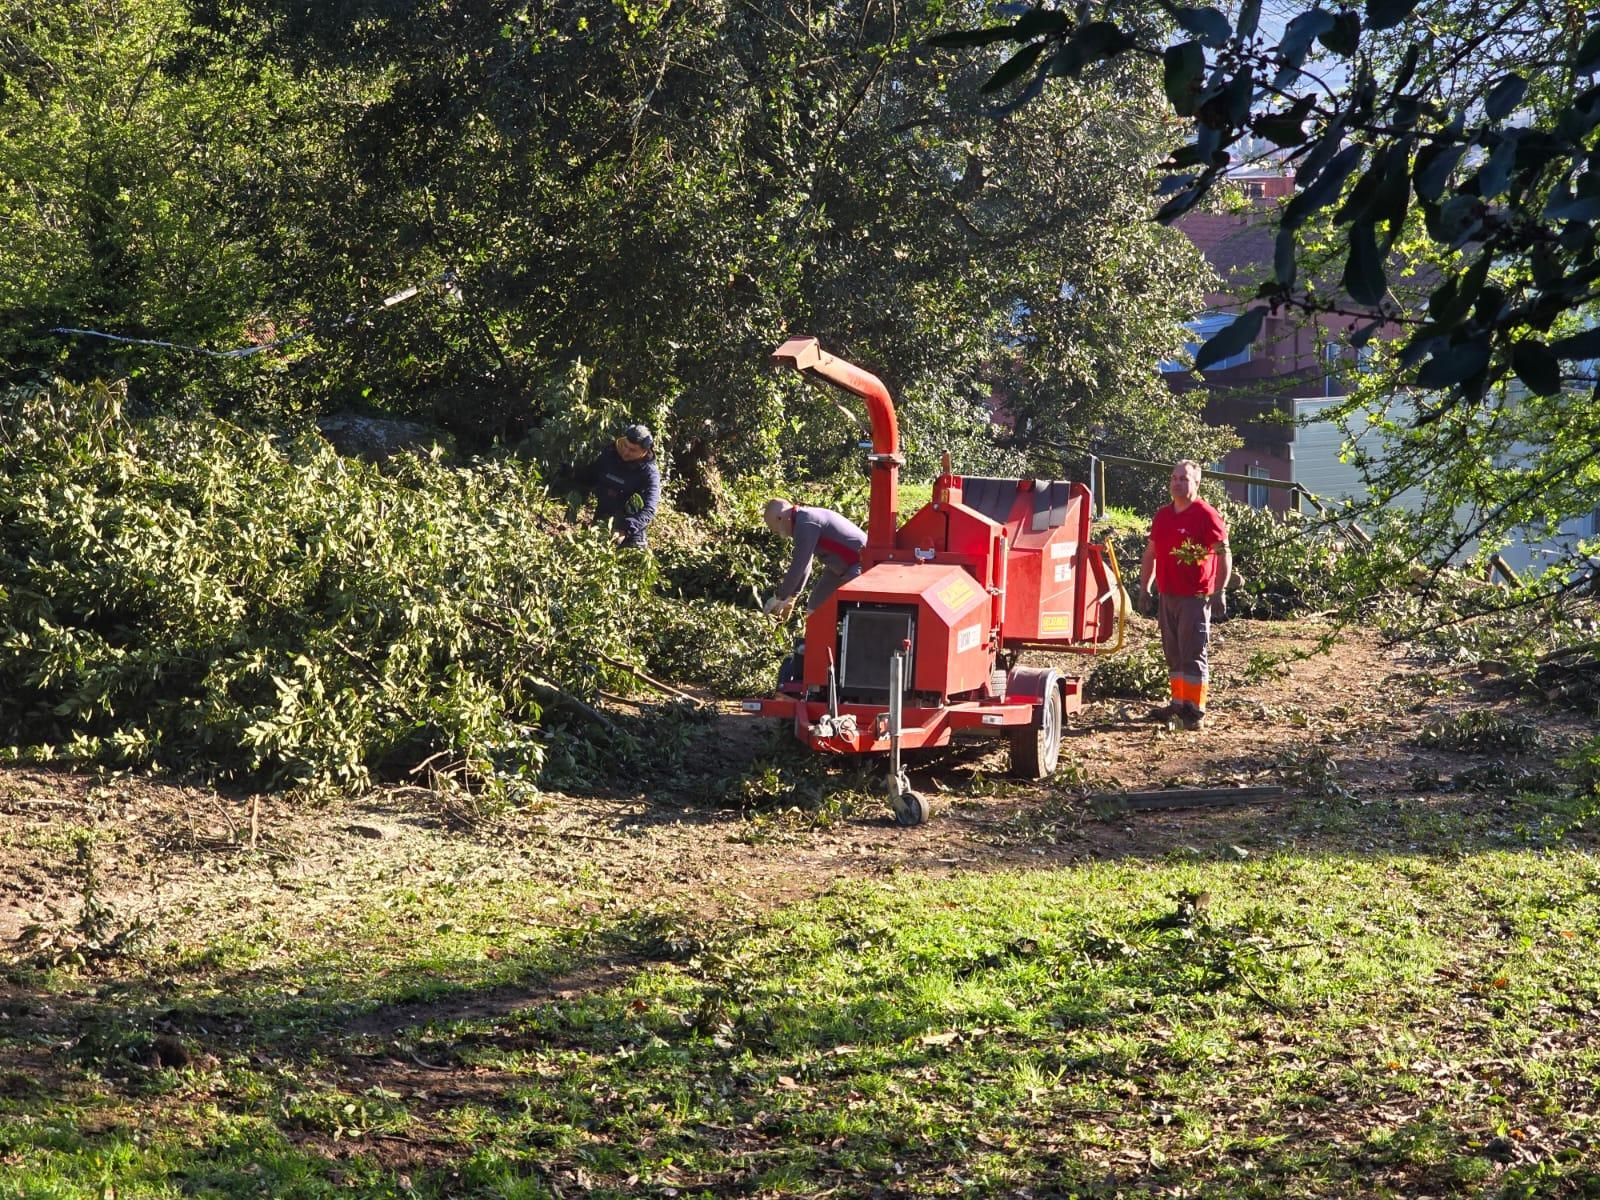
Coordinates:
column 1189, row 562
column 627, row 485
column 818, row 533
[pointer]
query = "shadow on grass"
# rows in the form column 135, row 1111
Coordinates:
column 889, row 1043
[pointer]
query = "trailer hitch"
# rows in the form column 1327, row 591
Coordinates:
column 830, row 726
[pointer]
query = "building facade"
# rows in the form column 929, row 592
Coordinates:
column 1295, row 356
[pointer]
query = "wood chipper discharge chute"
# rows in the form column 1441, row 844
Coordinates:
column 925, row 644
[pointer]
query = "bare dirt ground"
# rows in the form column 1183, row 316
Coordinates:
column 1335, row 730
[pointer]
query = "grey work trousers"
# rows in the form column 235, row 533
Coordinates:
column 1185, row 641
column 828, row 582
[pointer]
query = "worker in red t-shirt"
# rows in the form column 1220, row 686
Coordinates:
column 1190, row 564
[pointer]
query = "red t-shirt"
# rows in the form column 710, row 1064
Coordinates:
column 1185, row 545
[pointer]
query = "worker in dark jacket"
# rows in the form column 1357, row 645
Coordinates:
column 625, row 470
column 820, row 534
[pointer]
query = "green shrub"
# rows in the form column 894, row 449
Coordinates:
column 1481, row 731
column 201, row 595
column 1289, row 566
column 1584, row 766
column 729, row 650
column 727, row 559
column 1141, row 675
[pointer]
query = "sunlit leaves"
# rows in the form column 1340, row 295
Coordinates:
column 207, row 597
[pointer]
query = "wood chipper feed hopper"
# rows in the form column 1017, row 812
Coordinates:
column 926, row 643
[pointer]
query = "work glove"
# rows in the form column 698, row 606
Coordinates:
column 1219, row 606
column 1145, row 601
column 777, row 608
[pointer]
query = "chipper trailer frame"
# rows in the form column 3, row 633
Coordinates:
column 926, row 643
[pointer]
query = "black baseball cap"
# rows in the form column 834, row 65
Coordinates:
column 639, row 435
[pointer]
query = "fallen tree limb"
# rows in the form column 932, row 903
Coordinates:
column 1581, row 650
column 655, row 683
column 555, row 695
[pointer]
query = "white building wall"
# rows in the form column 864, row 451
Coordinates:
column 1316, row 467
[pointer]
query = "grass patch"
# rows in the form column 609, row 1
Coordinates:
column 1297, row 1024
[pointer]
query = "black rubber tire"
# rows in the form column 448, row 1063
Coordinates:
column 1036, row 749
column 910, row 809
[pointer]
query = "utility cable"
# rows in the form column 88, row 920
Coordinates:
column 449, row 281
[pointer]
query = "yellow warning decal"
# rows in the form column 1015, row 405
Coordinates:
column 1055, row 623
column 958, row 592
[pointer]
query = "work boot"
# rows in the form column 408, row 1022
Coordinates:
column 1165, row 713
column 1192, row 718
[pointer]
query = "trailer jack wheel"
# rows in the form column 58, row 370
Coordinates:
column 909, row 807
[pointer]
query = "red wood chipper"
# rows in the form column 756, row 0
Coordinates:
column 927, row 642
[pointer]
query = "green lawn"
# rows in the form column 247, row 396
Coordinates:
column 1290, row 1025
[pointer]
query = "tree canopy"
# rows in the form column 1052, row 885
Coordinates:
column 638, row 200
column 1450, row 146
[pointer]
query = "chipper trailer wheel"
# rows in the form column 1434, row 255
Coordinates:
column 910, row 808
column 1036, row 749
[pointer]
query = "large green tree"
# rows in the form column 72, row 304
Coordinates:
column 1455, row 137
column 663, row 191
column 141, row 159
column 633, row 201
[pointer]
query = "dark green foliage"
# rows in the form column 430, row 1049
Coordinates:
column 636, row 205
column 1481, row 731
column 1231, row 340
column 1444, row 156
column 1584, row 764
column 202, row 595
column 1141, row 676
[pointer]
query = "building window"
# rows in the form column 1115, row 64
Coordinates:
column 1204, row 327
column 1255, row 494
column 1331, row 383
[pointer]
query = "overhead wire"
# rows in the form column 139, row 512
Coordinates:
column 448, row 281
